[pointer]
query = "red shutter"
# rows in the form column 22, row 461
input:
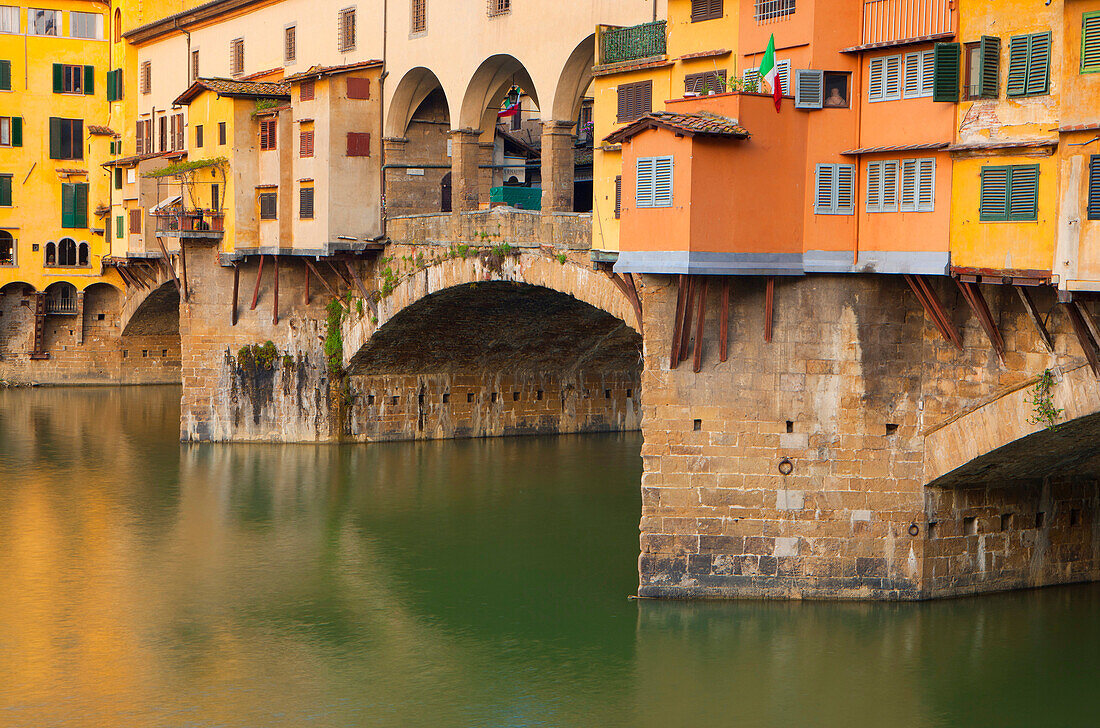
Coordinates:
column 358, row 144
column 305, row 91
column 139, row 140
column 358, row 88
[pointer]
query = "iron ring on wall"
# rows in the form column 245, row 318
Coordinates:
column 786, row 467
column 914, row 529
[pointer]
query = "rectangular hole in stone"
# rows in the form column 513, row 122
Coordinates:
column 790, row 426
column 420, row 399
column 470, row 397
column 446, row 397
column 1039, row 518
column 538, row 395
column 125, row 353
column 370, row 399
column 164, row 352
column 1074, row 516
column 607, row 394
column 515, row 396
column 493, row 398
column 630, row 394
column 393, row 400
column 891, row 429
column 100, row 316
column 932, row 528
column 145, row 352
column 1006, row 522
column 697, row 425
column 970, row 526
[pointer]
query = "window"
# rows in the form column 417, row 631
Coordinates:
column 215, row 197
column 635, row 100
column 131, row 176
column 983, row 63
column 618, row 197
column 51, row 254
column 86, row 25
column 74, row 206
column 43, row 22
column 345, row 38
column 7, row 248
column 66, row 255
column 653, row 183
column 135, row 221
column 305, row 203
column 358, row 88
column 782, row 71
column 1094, row 187
column 115, row 86
column 834, row 189
column 358, row 144
column 918, row 68
column 499, row 7
column 1029, row 65
column 11, row 131
column 221, row 133
column 290, row 44
column 236, row 56
column 1009, row 193
column 198, row 135
column 120, row 227
column 73, row 79
column 194, row 65
column 144, row 137
column 702, row 83
column 9, row 19
column 179, row 133
column 884, row 78
column 146, row 80
column 118, row 178
column 305, row 143
column 162, row 137
column 268, row 205
column 306, row 90
column 1090, row 42
column 918, row 185
column 66, row 138
column 882, row 186
column 418, row 16
column 117, row 30
column 269, row 133
column 772, row 9
column 705, row 10
column 5, row 190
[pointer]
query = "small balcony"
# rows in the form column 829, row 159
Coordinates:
column 633, row 43
column 190, row 223
column 887, row 22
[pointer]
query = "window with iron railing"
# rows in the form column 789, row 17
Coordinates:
column 418, row 16
column 346, row 32
column 765, row 10
column 236, row 56
column 499, row 7
column 632, row 43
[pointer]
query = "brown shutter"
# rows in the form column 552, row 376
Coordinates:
column 623, row 111
column 305, row 91
column 179, row 132
column 139, row 140
column 358, row 88
column 135, row 221
column 618, row 196
column 358, row 144
column 645, row 101
column 305, row 144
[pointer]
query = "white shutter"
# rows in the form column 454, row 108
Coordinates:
column 783, row 72
column 890, row 186
column 913, row 72
column 643, row 187
column 874, row 187
column 926, row 185
column 809, row 88
column 928, row 67
column 876, row 90
column 845, row 189
column 751, row 76
column 823, row 189
column 892, row 78
column 909, row 169
column 662, row 182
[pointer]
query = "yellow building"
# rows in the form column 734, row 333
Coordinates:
column 54, row 134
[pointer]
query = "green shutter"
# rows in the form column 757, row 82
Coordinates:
column 68, row 204
column 80, row 205
column 1094, row 187
column 118, row 83
column 17, row 131
column 1090, row 43
column 1023, row 192
column 55, row 137
column 89, row 80
column 994, row 194
column 1038, row 64
column 5, row 75
column 118, row 177
column 120, row 230
column 1017, row 65
column 112, row 89
column 5, row 190
column 945, row 74
column 989, row 84
column 58, row 78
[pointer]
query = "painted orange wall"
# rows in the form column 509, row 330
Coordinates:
column 907, row 231
column 657, row 228
column 907, row 121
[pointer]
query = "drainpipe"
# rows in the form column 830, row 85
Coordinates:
column 654, row 11
column 382, row 118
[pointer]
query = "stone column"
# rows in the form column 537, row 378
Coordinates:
column 465, row 175
column 557, row 166
column 486, row 173
column 395, row 200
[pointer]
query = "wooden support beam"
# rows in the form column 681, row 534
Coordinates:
column 256, row 290
column 138, row 275
column 1089, row 322
column 183, row 273
column 275, row 293
column 1084, row 337
column 236, row 290
column 125, row 277
column 724, row 320
column 1033, row 312
column 974, row 297
column 933, row 309
column 358, row 283
column 307, row 286
column 697, row 364
column 769, row 305
column 689, row 305
column 677, row 322
column 635, row 300
column 168, row 264
column 321, row 278
column 339, row 275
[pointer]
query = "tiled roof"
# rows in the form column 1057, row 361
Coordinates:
column 896, row 148
column 71, row 171
column 623, row 67
column 1093, row 126
column 97, row 130
column 700, row 123
column 318, row 71
column 1003, row 144
column 900, row 42
column 232, row 87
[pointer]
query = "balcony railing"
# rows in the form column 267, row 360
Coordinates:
column 633, row 43
column 191, row 223
column 64, row 305
column 888, row 21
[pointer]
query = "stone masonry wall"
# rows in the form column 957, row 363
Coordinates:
column 853, row 378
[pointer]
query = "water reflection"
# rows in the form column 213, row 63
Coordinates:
column 478, row 583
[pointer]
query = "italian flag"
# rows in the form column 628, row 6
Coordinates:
column 769, row 74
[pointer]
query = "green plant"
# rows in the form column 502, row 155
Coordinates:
column 255, row 356
column 264, row 104
column 177, row 168
column 334, row 342
column 359, row 307
column 561, row 258
column 288, row 361
column 1043, row 400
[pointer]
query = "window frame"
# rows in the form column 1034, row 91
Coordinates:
column 263, row 197
column 145, row 77
column 1028, row 60
column 703, row 10
column 418, row 17
column 18, row 19
column 303, row 189
column 917, row 182
column 1007, row 216
column 95, row 18
column 290, row 43
column 658, row 167
column 770, row 11
column 345, row 38
column 1092, row 192
column 496, row 8
column 834, row 207
column 1094, row 17
column 697, row 83
column 31, row 18
column 70, row 130
column 236, row 56
column 882, row 170
column 269, row 134
column 305, row 143
column 636, row 105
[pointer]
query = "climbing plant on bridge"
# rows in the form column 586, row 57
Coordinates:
column 1043, row 400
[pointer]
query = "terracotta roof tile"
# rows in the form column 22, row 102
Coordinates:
column 700, row 123
column 318, row 71
column 1003, row 144
column 97, row 130
column 233, row 87
column 930, row 146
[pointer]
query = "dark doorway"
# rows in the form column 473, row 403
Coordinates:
column 445, row 193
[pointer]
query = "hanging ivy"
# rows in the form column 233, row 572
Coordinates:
column 1042, row 399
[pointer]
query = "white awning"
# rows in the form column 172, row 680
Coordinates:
column 167, row 202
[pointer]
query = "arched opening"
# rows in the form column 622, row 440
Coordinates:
column 497, row 358
column 51, row 254
column 445, row 193
column 7, row 248
column 118, row 26
column 418, row 152
column 573, row 101
column 158, row 314
column 67, row 252
column 82, row 254
column 61, row 299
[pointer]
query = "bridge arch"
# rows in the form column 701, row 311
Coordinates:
column 413, row 88
column 152, row 312
column 575, row 78
column 487, row 88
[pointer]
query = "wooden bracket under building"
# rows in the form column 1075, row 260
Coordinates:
column 321, row 278
column 625, row 284
column 697, row 363
column 724, row 320
column 256, row 290
column 275, row 292
column 1033, row 312
column 677, row 322
column 930, row 302
column 769, row 306
column 1089, row 343
column 689, row 307
column 973, row 295
column 171, row 269
column 236, row 291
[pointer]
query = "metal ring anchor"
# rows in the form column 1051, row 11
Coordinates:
column 786, row 467
column 914, row 529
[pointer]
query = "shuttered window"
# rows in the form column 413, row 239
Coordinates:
column 634, row 100
column 269, row 133
column 290, row 44
column 882, row 186
column 5, row 75
column 305, row 203
column 809, row 89
column 69, row 79
column 135, row 221
column 834, row 189
column 884, row 78
column 705, row 10
column 918, row 185
column 989, row 82
column 221, row 132
column 358, row 88
column 74, row 205
column 198, row 136
column 306, row 90
column 305, row 143
column 1094, row 187
column 146, row 77
column 236, row 56
column 918, row 69
column 194, row 64
column 1010, row 193
column 120, row 227
column 498, row 7
column 11, row 131
column 358, row 144
column 653, row 186
column 1090, row 43
column 345, row 40
column 5, row 190
column 268, row 205
column 702, row 83
column 179, row 130
column 1029, row 65
column 115, row 87
column 782, row 71
column 618, row 197
column 418, row 16
column 66, row 138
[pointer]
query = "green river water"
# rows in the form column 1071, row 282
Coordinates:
column 470, row 583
